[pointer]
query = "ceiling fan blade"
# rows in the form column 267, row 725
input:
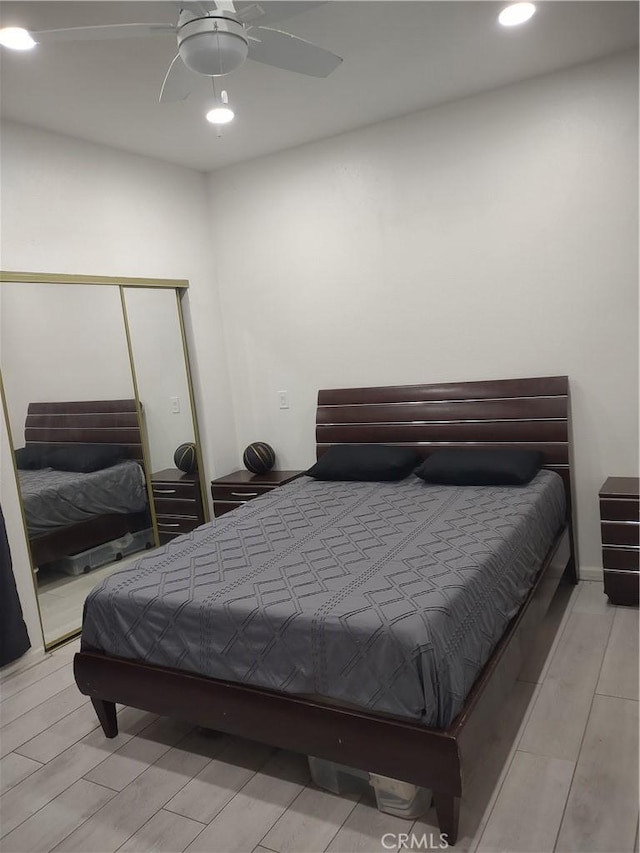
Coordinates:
column 272, row 11
column 109, row 31
column 178, row 83
column 225, row 6
column 197, row 8
column 282, row 50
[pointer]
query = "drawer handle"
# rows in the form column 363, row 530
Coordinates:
column 164, row 524
column 164, row 491
column 244, row 494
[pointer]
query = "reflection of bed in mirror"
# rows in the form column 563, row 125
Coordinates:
column 66, row 511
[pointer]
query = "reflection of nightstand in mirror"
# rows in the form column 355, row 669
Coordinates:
column 177, row 501
column 236, row 489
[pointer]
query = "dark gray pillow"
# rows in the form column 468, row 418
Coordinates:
column 31, row 457
column 86, row 458
column 365, row 462
column 460, row 467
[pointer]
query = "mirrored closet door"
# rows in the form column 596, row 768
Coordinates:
column 158, row 350
column 98, row 399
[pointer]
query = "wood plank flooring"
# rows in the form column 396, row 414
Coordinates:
column 561, row 773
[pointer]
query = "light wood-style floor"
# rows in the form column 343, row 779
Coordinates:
column 61, row 597
column 561, row 775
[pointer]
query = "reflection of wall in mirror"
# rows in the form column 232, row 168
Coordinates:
column 161, row 376
column 61, row 342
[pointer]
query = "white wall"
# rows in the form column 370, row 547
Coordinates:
column 493, row 237
column 72, row 207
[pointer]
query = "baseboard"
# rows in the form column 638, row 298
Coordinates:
column 591, row 573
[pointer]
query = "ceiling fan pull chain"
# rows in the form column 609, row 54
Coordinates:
column 218, row 49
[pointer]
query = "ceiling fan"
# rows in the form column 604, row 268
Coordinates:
column 214, row 38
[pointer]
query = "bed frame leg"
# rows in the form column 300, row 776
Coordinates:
column 448, row 811
column 570, row 572
column 106, row 712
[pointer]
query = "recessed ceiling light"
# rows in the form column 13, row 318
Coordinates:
column 16, row 38
column 516, row 14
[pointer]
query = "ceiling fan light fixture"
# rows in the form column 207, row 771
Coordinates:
column 220, row 114
column 213, row 46
column 16, row 38
column 516, row 13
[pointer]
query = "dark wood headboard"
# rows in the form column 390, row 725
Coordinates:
column 86, row 422
column 523, row 413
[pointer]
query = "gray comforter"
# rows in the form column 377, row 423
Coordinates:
column 390, row 596
column 53, row 499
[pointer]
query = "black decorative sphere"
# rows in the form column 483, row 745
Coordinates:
column 185, row 458
column 259, row 457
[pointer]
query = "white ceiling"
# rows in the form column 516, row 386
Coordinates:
column 398, row 57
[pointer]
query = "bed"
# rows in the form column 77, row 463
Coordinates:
column 68, row 512
column 322, row 707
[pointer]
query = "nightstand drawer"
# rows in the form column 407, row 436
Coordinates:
column 620, row 530
column 222, row 507
column 235, row 490
column 186, row 491
column 238, row 493
column 177, row 502
column 627, row 559
column 176, row 524
column 622, row 587
column 620, row 533
column 176, row 506
column 619, row 509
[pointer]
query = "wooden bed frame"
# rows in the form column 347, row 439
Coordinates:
column 85, row 422
column 530, row 413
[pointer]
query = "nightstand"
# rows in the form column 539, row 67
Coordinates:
column 177, row 501
column 236, row 489
column 620, row 526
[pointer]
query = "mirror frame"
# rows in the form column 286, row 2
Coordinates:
column 180, row 287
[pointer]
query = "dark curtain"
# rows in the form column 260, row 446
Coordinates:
column 14, row 639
